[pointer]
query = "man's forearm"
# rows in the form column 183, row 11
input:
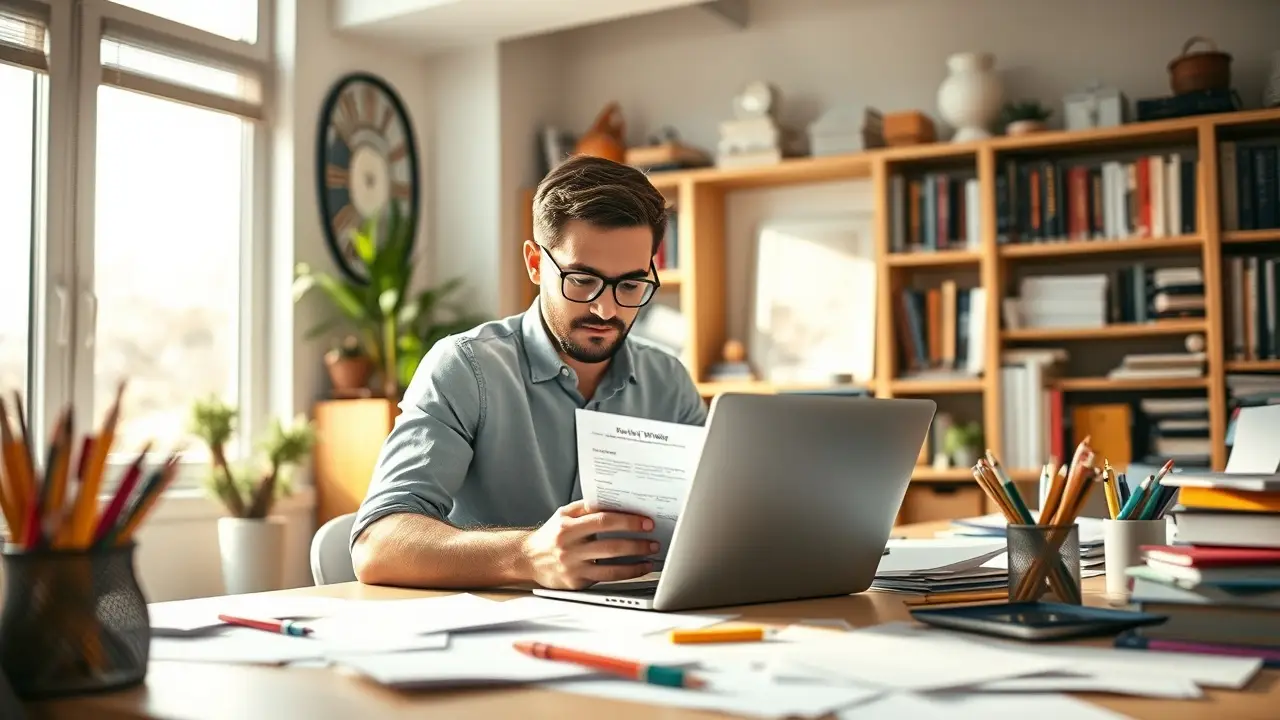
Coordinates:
column 417, row 551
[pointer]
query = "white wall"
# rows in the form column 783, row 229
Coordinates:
column 178, row 547
column 682, row 67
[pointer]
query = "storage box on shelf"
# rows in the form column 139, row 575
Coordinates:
column 1186, row 230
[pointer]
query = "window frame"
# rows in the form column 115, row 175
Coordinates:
column 64, row 304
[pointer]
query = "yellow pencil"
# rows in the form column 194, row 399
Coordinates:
column 15, row 483
column 1109, row 486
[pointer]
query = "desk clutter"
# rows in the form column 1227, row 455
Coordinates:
column 713, row 661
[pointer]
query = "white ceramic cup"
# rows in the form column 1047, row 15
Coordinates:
column 1122, row 547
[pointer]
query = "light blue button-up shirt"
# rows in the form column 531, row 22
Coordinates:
column 486, row 433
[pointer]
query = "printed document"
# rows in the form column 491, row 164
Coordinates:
column 639, row 466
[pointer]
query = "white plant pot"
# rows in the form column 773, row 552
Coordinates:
column 971, row 96
column 252, row 554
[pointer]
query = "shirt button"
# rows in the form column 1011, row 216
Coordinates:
column 564, row 372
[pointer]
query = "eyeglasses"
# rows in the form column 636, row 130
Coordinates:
column 584, row 287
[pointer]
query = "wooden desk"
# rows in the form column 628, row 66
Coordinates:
column 199, row 691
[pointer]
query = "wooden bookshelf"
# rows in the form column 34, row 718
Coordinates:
column 700, row 278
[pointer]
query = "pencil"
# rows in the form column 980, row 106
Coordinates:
column 1056, row 488
column 1136, row 499
column 1011, row 489
column 670, row 676
column 26, row 457
column 84, row 515
column 955, row 598
column 111, row 515
column 1109, row 487
column 146, row 500
column 15, row 484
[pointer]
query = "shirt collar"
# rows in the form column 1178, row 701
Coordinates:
column 545, row 362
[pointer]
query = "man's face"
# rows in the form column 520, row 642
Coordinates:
column 591, row 332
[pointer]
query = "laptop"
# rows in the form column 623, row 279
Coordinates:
column 794, row 497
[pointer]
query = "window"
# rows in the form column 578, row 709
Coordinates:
column 167, row 251
column 22, row 66
column 234, row 19
column 149, row 275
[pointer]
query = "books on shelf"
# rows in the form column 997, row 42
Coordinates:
column 1250, row 299
column 1029, row 406
column 1135, row 293
column 1177, row 429
column 934, row 211
column 1151, row 196
column 941, row 330
column 1250, row 188
column 1134, row 366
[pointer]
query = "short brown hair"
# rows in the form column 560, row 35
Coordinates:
column 600, row 192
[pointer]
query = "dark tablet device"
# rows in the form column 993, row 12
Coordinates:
column 1036, row 621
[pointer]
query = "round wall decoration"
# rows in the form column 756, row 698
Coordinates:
column 366, row 159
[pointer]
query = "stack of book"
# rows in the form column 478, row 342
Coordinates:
column 1219, row 585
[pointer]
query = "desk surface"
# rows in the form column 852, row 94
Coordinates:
column 192, row 690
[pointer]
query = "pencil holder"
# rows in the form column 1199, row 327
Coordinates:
column 1122, row 542
column 1044, row 563
column 74, row 622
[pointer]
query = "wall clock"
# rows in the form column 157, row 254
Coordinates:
column 366, row 159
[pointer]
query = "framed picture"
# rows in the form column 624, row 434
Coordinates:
column 815, row 300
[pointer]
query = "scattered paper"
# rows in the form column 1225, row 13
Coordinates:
column 740, row 693
column 636, row 465
column 200, row 615
column 1155, row 686
column 907, row 662
column 425, row 616
column 356, row 643
column 991, row 706
column 1219, row 671
column 237, row 645
column 588, row 616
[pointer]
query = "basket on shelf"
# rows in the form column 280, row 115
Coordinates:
column 1201, row 70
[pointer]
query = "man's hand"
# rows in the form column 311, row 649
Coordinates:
column 562, row 552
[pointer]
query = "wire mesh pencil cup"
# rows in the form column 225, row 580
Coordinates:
column 1044, row 563
column 74, row 621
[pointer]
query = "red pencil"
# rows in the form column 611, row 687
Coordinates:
column 112, row 514
column 284, row 627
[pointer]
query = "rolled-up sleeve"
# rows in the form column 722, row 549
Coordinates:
column 424, row 459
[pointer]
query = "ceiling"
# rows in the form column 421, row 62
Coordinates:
column 432, row 26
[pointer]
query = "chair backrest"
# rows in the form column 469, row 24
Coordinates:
column 331, row 551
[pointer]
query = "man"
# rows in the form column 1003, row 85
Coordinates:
column 477, row 485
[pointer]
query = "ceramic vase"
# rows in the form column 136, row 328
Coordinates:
column 970, row 98
column 1271, row 96
column 252, row 554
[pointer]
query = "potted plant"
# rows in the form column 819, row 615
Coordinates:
column 349, row 366
column 1024, row 117
column 394, row 325
column 250, row 538
column 962, row 443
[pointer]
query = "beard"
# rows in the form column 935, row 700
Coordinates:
column 592, row 348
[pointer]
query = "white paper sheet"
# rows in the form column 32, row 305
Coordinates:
column 1155, row 686
column 586, row 616
column 1218, row 671
column 740, row 693
column 639, row 466
column 239, row 646
column 988, row 706
column 200, row 615
column 898, row 661
column 938, row 554
column 488, row 657
column 425, row 616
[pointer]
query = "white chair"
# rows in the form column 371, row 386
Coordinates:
column 331, row 551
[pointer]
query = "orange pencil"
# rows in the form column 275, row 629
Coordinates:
column 84, row 516
column 652, row 674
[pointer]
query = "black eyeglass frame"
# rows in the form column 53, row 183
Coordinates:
column 604, row 282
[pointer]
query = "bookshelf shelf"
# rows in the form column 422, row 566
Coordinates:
column 934, row 259
column 1089, row 247
column 1243, row 237
column 956, row 386
column 701, row 283
column 1116, row 330
column 1104, row 384
column 1245, row 366
column 927, row 474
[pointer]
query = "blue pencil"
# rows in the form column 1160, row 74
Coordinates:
column 1135, row 501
